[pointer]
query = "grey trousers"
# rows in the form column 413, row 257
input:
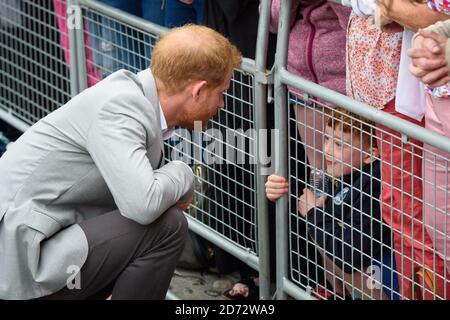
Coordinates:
column 129, row 260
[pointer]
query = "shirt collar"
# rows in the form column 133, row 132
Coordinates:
column 167, row 134
column 150, row 92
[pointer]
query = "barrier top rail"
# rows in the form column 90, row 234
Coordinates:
column 371, row 113
column 248, row 65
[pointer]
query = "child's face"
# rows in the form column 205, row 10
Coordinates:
column 343, row 151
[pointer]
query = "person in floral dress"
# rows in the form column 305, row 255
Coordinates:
column 373, row 61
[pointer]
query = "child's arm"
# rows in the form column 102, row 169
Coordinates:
column 306, row 202
column 276, row 187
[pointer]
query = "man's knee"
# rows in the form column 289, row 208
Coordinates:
column 176, row 222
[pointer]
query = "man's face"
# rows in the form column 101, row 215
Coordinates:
column 342, row 151
column 209, row 101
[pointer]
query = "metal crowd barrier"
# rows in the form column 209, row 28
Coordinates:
column 34, row 78
column 312, row 251
column 46, row 57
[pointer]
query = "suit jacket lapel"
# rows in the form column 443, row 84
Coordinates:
column 149, row 86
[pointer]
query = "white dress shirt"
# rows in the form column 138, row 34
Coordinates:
column 167, row 134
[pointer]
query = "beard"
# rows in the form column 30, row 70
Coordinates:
column 197, row 119
column 194, row 123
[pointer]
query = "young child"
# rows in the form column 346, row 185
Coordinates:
column 346, row 224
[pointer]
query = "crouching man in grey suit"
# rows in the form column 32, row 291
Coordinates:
column 87, row 207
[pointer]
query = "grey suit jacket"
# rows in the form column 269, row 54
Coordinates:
column 98, row 152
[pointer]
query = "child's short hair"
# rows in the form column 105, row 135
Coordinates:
column 353, row 123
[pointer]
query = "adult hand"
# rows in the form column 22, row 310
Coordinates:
column 185, row 201
column 306, row 202
column 276, row 187
column 382, row 19
column 428, row 59
column 187, row 1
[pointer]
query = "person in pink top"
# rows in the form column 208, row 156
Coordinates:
column 61, row 20
column 430, row 46
column 317, row 53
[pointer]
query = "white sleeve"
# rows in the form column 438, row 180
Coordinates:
column 361, row 7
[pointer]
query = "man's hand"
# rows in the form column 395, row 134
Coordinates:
column 428, row 59
column 276, row 187
column 306, row 202
column 185, row 201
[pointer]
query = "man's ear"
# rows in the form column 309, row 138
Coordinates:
column 371, row 154
column 197, row 88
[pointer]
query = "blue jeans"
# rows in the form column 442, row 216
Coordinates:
column 115, row 46
column 177, row 13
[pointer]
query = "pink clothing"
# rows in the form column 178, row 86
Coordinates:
column 377, row 55
column 442, row 6
column 316, row 52
column 437, row 178
column 436, row 168
column 317, row 42
column 61, row 20
column 401, row 171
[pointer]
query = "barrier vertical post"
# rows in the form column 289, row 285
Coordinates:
column 281, row 163
column 71, row 30
column 260, row 92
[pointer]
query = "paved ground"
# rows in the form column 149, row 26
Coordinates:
column 201, row 285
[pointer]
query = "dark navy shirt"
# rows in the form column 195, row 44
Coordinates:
column 349, row 228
